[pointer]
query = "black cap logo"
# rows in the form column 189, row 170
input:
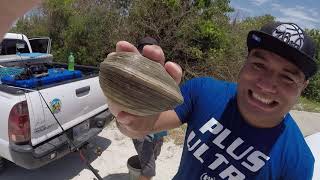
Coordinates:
column 291, row 34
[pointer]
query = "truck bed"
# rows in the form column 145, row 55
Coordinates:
column 77, row 104
column 71, row 101
column 87, row 72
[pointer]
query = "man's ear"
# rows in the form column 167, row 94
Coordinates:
column 305, row 84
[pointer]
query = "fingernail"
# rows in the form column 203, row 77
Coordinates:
column 110, row 54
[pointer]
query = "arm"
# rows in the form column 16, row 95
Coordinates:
column 167, row 120
column 10, row 10
column 137, row 126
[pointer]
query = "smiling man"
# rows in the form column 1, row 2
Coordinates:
column 269, row 86
column 240, row 130
column 235, row 131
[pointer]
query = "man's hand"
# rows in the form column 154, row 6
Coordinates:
column 10, row 10
column 137, row 126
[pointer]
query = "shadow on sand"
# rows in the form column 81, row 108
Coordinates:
column 62, row 169
column 120, row 176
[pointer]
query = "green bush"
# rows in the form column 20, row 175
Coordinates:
column 313, row 89
column 198, row 35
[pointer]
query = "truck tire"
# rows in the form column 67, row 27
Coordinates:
column 2, row 164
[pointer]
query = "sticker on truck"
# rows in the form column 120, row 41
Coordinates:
column 55, row 105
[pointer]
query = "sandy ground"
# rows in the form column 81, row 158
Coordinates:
column 308, row 122
column 112, row 164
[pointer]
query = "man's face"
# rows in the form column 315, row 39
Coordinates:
column 268, row 87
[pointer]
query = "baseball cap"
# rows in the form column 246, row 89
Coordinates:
column 146, row 41
column 289, row 41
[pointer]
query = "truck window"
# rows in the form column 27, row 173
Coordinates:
column 13, row 46
column 40, row 45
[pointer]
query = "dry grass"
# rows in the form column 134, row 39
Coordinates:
column 305, row 104
column 177, row 135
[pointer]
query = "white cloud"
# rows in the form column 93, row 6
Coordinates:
column 300, row 7
column 314, row 12
column 244, row 9
column 299, row 14
column 307, row 18
column 300, row 22
column 258, row 2
column 275, row 5
column 240, row 13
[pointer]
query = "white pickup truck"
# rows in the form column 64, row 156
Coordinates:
column 30, row 135
column 17, row 48
column 13, row 43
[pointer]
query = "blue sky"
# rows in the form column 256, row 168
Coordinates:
column 305, row 13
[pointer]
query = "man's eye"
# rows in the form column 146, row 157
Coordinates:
column 258, row 66
column 287, row 79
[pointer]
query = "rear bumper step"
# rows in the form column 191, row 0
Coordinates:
column 30, row 157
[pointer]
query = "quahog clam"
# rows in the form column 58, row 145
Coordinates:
column 138, row 85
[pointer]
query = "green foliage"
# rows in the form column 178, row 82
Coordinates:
column 78, row 26
column 256, row 22
column 172, row 3
column 309, row 105
column 199, row 35
column 313, row 89
column 209, row 35
column 315, row 34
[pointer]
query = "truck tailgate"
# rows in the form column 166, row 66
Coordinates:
column 71, row 103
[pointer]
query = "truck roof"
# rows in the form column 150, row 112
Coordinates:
column 14, row 36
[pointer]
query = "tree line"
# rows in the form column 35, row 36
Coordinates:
column 200, row 35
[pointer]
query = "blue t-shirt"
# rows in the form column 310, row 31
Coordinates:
column 219, row 144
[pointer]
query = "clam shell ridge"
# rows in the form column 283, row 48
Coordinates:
column 138, row 85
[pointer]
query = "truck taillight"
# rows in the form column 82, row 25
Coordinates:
column 19, row 123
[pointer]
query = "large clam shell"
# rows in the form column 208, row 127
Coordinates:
column 138, row 85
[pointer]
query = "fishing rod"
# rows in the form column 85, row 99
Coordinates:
column 82, row 157
column 71, row 143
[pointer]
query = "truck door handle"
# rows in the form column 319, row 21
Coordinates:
column 82, row 91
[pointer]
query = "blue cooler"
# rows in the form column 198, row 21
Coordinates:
column 59, row 75
column 55, row 75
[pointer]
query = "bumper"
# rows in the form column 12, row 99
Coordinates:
column 30, row 157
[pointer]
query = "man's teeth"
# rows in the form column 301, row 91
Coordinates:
column 261, row 99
